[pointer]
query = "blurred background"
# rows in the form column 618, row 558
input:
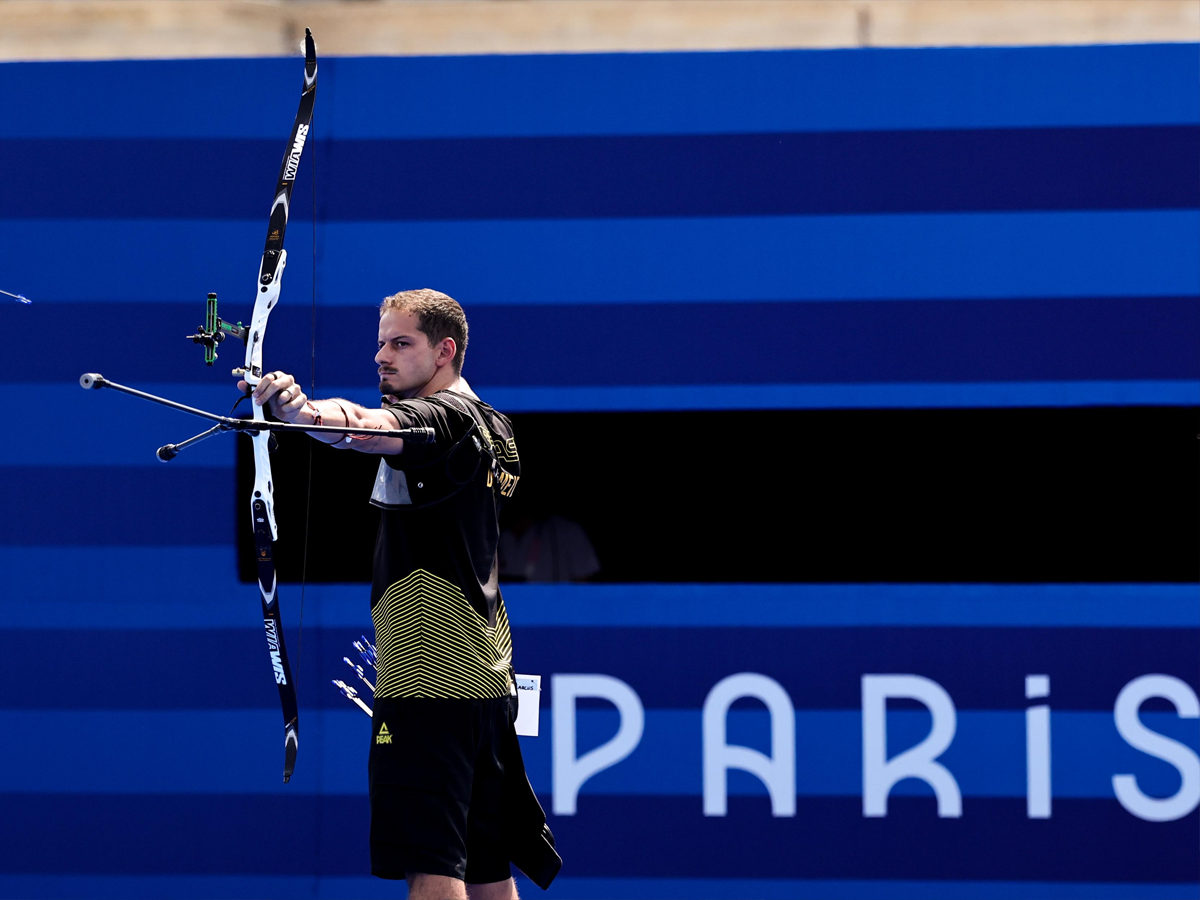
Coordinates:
column 853, row 353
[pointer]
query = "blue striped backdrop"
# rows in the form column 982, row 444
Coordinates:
column 916, row 227
column 992, row 227
column 140, row 732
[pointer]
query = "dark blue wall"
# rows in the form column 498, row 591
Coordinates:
column 998, row 227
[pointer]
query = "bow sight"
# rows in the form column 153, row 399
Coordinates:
column 214, row 331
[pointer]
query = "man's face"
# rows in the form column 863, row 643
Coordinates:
column 406, row 361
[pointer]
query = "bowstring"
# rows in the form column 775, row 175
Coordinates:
column 312, row 393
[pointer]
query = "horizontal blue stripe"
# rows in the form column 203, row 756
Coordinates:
column 1049, row 351
column 1102, row 254
column 745, row 175
column 614, row 93
column 165, row 835
column 663, row 605
column 195, row 887
column 122, row 431
column 987, row 756
column 820, row 667
column 125, row 432
column 236, row 752
column 893, row 257
column 756, row 91
column 88, row 587
column 828, row 344
column 850, row 889
column 103, row 505
column 625, row 177
column 638, row 837
column 238, row 887
column 163, row 362
column 993, row 839
column 840, row 396
column 226, row 751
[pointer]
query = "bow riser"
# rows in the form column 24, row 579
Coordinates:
column 268, row 296
column 264, row 488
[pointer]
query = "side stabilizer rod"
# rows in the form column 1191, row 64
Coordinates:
column 170, row 451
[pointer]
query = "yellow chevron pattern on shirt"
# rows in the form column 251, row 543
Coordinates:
column 432, row 643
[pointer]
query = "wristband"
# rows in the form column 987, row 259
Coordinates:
column 314, row 412
column 344, row 437
column 347, row 438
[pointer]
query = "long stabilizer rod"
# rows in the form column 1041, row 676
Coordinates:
column 94, row 381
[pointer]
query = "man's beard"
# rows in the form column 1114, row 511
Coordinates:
column 390, row 384
column 389, row 391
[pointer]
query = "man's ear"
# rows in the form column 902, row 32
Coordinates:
column 446, row 351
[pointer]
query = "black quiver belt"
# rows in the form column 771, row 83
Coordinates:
column 529, row 841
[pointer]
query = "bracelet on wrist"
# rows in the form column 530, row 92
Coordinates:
column 314, row 412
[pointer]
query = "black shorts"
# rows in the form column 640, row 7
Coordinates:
column 437, row 770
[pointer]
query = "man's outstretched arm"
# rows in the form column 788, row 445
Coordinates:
column 286, row 400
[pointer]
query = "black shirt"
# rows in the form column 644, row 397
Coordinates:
column 440, row 624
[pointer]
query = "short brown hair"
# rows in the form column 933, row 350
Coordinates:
column 438, row 316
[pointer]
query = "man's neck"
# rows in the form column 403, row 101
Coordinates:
column 455, row 383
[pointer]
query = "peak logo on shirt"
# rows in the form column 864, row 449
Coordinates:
column 384, row 736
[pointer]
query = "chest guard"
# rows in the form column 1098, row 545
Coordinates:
column 424, row 484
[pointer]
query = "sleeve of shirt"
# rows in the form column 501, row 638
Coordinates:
column 448, row 427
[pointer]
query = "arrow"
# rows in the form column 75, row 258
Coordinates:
column 352, row 695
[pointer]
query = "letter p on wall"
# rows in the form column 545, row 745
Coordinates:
column 570, row 772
